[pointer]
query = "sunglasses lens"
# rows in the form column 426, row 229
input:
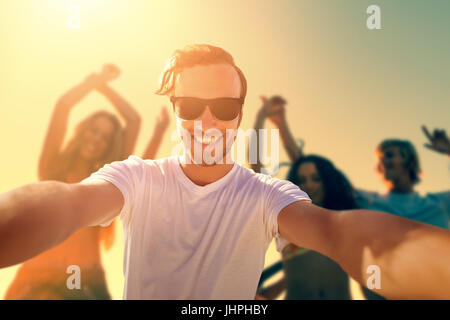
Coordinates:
column 189, row 109
column 226, row 109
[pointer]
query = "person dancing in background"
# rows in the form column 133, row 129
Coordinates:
column 99, row 139
column 308, row 275
column 399, row 167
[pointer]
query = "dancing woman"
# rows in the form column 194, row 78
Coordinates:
column 98, row 139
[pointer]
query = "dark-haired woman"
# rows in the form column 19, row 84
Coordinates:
column 308, row 274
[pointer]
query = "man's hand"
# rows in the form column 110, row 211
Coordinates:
column 413, row 257
column 438, row 141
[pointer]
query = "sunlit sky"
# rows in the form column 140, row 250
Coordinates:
column 347, row 87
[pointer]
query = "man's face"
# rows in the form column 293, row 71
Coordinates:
column 208, row 82
column 391, row 164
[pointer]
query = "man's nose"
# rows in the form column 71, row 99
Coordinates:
column 207, row 119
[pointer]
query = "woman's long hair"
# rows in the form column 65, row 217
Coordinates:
column 338, row 194
column 114, row 152
column 338, row 191
column 72, row 151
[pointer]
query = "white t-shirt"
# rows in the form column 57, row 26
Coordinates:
column 185, row 241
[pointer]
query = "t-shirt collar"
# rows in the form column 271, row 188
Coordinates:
column 181, row 176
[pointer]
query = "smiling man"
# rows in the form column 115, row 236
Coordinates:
column 196, row 230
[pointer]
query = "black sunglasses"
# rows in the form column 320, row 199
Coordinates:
column 189, row 108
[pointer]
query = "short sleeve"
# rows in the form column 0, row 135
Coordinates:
column 125, row 176
column 280, row 194
column 444, row 198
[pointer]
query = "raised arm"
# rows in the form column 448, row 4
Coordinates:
column 125, row 109
column 278, row 104
column 413, row 257
column 58, row 125
column 39, row 216
column 438, row 141
column 267, row 109
column 162, row 123
column 274, row 110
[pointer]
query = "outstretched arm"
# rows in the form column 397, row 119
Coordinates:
column 39, row 216
column 413, row 257
column 125, row 109
column 58, row 125
column 162, row 122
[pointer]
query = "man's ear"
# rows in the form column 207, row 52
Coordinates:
column 378, row 168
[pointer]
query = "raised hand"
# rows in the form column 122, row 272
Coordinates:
column 438, row 141
column 273, row 109
column 109, row 72
column 98, row 80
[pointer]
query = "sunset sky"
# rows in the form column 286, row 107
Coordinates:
column 347, row 87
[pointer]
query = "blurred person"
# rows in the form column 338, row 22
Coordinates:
column 195, row 230
column 398, row 165
column 99, row 139
column 309, row 275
